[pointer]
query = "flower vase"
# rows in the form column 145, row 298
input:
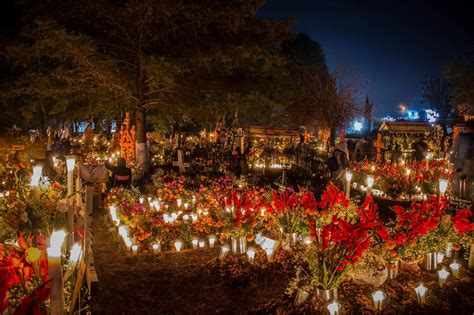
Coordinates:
column 234, row 244
column 449, row 250
column 290, row 239
column 431, row 261
column 392, row 269
column 327, row 295
column 238, row 244
column 301, row 296
column 242, row 244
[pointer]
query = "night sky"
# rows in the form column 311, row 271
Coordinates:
column 390, row 45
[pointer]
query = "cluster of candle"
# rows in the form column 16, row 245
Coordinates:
column 370, row 180
column 196, row 242
column 4, row 194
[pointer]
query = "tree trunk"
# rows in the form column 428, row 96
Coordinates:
column 332, row 137
column 140, row 119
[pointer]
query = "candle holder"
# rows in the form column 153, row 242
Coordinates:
column 370, row 183
column 455, row 268
column 421, row 293
column 156, row 248
column 212, row 240
column 177, row 245
column 224, row 251
column 333, row 308
column 378, row 297
column 348, row 183
column 251, row 254
column 443, row 276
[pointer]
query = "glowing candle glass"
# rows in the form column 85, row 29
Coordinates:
column 177, row 245
column 439, row 257
column 250, row 254
column 75, row 254
column 202, row 243
column 333, row 308
column 156, row 248
column 135, row 249
column 443, row 275
column 455, row 267
column 224, row 251
column 348, row 183
column 370, row 181
column 70, row 163
column 443, row 186
column 421, row 293
column 378, row 297
column 195, row 243
column 212, row 240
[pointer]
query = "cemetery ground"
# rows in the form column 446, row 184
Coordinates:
column 172, row 283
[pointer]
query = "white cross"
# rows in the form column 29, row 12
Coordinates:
column 180, row 163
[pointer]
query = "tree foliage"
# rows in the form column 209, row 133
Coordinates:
column 460, row 73
column 436, row 92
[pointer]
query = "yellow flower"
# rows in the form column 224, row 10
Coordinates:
column 32, row 254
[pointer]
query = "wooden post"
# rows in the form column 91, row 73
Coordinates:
column 78, row 191
column 87, row 213
column 471, row 258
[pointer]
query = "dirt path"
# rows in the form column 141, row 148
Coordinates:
column 168, row 284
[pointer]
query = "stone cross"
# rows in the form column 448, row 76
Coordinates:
column 379, row 146
column 180, row 163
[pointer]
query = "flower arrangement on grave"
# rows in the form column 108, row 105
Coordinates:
column 32, row 211
column 240, row 212
column 454, row 229
column 289, row 209
column 334, row 203
column 24, row 277
column 404, row 233
column 398, row 180
column 341, row 242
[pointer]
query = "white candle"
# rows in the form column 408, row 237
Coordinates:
column 135, row 249
column 370, row 183
column 156, row 248
column 455, row 268
column 250, row 254
column 113, row 215
column 443, row 275
column 439, row 257
column 378, row 297
column 177, row 245
column 212, row 240
column 178, row 202
column 333, row 308
column 75, row 254
column 202, row 243
column 195, row 242
column 186, row 205
column 348, row 183
column 421, row 293
column 224, row 251
column 443, row 186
